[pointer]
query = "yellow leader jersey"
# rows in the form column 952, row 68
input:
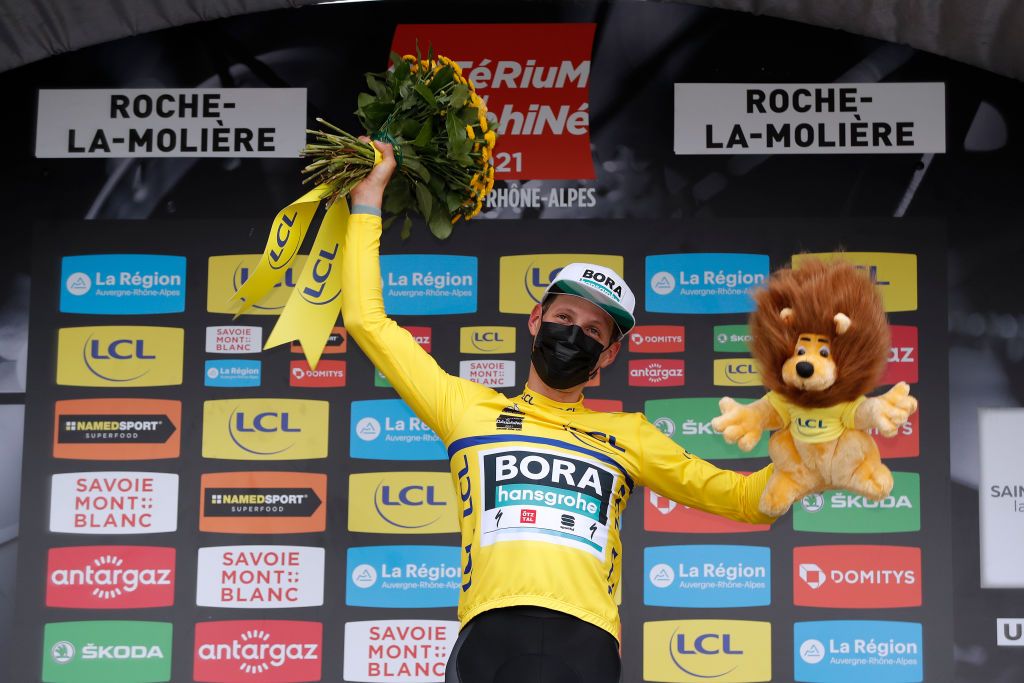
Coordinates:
column 815, row 425
column 542, row 484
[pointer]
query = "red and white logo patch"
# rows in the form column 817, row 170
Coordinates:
column 110, row 577
column 903, row 355
column 657, row 339
column 328, row 373
column 266, row 651
column 657, row 372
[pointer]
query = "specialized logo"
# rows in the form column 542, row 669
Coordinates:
column 736, row 372
column 107, row 652
column 487, row 340
column 263, row 651
column 429, row 284
column 708, row 650
column 687, row 421
column 906, row 443
column 403, row 576
column 732, row 338
column 227, row 273
column 903, row 355
column 402, row 503
column 707, row 576
column 1010, row 632
column 114, row 503
column 524, row 278
column 666, row 515
column 703, row 283
column 603, row 405
column 263, row 502
column 328, row 373
column 657, row 339
column 260, row 576
column 894, row 275
column 845, row 512
column 119, row 356
column 337, row 342
column 857, row 576
column 117, row 429
column 122, row 284
column 234, row 339
column 658, row 372
column 572, row 501
column 110, row 577
column 535, row 79
column 857, row 651
column 490, row 373
column 398, row 650
column 387, row 429
column 265, row 429
column 232, row 373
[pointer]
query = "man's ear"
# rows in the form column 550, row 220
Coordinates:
column 534, row 322
column 609, row 354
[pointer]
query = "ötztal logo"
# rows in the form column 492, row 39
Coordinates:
column 258, row 651
column 535, row 80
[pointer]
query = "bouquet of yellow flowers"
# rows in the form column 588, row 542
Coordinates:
column 442, row 137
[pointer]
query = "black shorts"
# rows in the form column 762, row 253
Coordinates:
column 520, row 644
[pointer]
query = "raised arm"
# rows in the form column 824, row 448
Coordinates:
column 434, row 395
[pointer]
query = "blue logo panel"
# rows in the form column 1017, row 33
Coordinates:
column 429, row 284
column 403, row 576
column 122, row 284
column 388, row 430
column 707, row 576
column 703, row 283
column 232, row 373
column 858, row 651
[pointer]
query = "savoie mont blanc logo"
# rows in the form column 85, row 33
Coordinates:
column 703, row 283
column 122, row 284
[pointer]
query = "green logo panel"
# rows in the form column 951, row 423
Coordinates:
column 379, row 380
column 845, row 512
column 732, row 338
column 107, row 652
column 687, row 421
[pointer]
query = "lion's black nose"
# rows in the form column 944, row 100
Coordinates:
column 804, row 369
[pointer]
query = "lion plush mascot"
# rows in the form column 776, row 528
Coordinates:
column 821, row 340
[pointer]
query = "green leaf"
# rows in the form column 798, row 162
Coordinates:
column 425, row 134
column 364, row 99
column 406, row 227
column 425, row 93
column 398, row 195
column 456, row 132
column 388, row 221
column 460, row 93
column 440, row 223
column 423, row 200
column 376, row 85
column 414, row 167
column 452, row 201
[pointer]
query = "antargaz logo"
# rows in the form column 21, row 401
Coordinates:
column 264, row 651
column 263, row 502
column 227, row 273
column 123, row 284
column 846, row 512
column 117, row 429
column 119, row 356
column 265, row 429
column 110, row 577
column 659, row 372
column 524, row 278
column 487, row 340
column 719, row 650
column 107, row 652
column 903, row 355
column 402, row 503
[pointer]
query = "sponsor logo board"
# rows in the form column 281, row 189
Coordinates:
column 906, row 443
column 857, row 576
column 524, row 278
column 903, row 355
column 117, row 429
column 657, row 339
column 398, row 651
column 227, row 273
column 328, row 373
column 429, row 284
column 732, row 338
column 403, row 576
column 687, row 421
column 265, row 429
column 337, row 342
column 736, row 372
column 490, row 373
column 232, row 373
column 263, row 502
column 1010, row 632
column 122, row 284
column 707, row 576
column 234, row 339
column 664, row 514
column 1001, row 497
column 725, row 650
column 490, row 340
column 894, row 275
column 402, row 503
column 119, row 356
column 703, row 283
column 263, row 651
column 110, row 577
column 657, row 372
column 387, row 429
column 857, row 651
column 603, row 405
column 846, row 512
column 260, row 576
column 114, row 503
column 107, row 652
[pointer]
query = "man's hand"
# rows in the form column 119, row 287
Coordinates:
column 370, row 191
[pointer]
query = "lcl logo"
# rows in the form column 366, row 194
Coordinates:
column 413, row 494
column 321, row 272
column 264, row 422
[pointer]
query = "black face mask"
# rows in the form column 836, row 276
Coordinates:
column 564, row 355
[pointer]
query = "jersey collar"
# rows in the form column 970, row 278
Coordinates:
column 531, row 397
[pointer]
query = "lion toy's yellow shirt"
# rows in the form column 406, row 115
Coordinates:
column 541, row 485
column 815, row 425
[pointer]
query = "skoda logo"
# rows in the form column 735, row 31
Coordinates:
column 813, row 503
column 665, row 425
column 663, row 282
column 78, row 284
column 62, row 652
